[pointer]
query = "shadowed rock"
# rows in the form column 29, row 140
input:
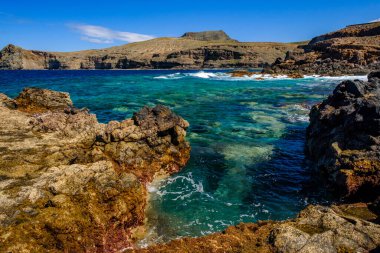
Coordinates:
column 343, row 138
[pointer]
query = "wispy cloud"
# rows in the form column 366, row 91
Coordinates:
column 103, row 35
column 376, row 20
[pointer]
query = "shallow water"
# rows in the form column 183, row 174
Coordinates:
column 247, row 139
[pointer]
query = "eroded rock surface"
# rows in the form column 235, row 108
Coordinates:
column 351, row 50
column 71, row 184
column 343, row 138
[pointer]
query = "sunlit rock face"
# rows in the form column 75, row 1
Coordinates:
column 71, row 184
column 343, row 138
column 351, row 50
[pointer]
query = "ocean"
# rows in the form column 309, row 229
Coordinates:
column 247, row 137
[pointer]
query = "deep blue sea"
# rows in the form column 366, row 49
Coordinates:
column 247, row 138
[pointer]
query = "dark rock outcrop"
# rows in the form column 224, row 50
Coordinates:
column 343, row 138
column 208, row 36
column 71, row 184
column 352, row 50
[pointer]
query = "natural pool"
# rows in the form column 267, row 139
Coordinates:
column 247, row 139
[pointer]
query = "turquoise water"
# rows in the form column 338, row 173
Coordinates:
column 247, row 139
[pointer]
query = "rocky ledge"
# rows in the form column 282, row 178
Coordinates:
column 343, row 138
column 71, row 184
column 351, row 50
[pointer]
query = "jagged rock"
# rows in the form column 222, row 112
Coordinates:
column 35, row 99
column 71, row 184
column 352, row 50
column 328, row 229
column 343, row 138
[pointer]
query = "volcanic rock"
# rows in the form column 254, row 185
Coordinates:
column 208, row 36
column 343, row 138
column 352, row 50
column 71, row 184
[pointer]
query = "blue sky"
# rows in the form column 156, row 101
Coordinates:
column 76, row 25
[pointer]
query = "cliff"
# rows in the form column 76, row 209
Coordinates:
column 351, row 50
column 193, row 51
column 71, row 184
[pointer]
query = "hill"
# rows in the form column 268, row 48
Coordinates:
column 192, row 51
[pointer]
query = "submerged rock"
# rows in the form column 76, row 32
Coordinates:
column 71, row 184
column 343, row 138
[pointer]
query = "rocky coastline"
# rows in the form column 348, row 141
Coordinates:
column 353, row 50
column 71, row 184
column 343, row 145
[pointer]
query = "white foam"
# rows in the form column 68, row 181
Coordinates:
column 225, row 76
column 170, row 76
column 190, row 188
column 203, row 74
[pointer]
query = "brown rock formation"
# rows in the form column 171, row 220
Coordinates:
column 71, row 184
column 241, row 73
column 352, row 50
column 344, row 228
column 194, row 51
column 343, row 138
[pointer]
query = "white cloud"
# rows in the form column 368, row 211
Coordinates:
column 376, row 20
column 103, row 35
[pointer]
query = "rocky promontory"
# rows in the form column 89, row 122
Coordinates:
column 343, row 138
column 351, row 50
column 71, row 184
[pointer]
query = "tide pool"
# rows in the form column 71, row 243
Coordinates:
column 247, row 138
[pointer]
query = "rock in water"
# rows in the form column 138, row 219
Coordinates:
column 343, row 138
column 71, row 184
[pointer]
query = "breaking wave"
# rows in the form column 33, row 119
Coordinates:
column 225, row 76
